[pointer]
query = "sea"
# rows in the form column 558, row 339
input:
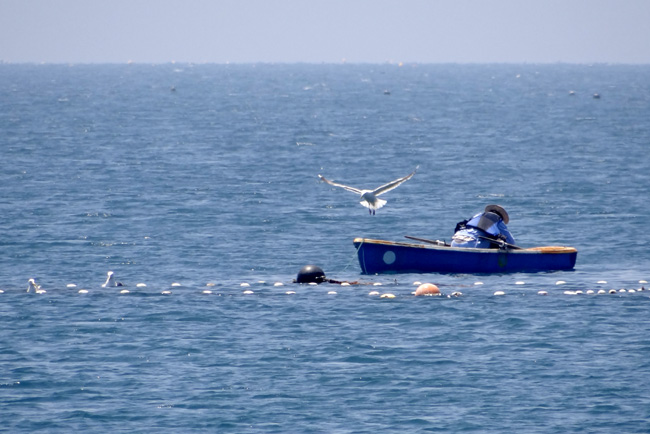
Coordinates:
column 197, row 186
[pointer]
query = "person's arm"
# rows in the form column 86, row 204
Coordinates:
column 503, row 229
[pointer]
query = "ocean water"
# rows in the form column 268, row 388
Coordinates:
column 205, row 176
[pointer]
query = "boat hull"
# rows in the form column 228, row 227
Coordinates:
column 378, row 256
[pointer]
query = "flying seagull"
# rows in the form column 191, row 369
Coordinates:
column 369, row 198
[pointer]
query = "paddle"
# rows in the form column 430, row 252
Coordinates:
column 501, row 243
column 442, row 243
column 424, row 240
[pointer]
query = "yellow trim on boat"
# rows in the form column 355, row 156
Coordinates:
column 541, row 249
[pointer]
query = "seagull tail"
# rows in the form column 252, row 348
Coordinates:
column 374, row 206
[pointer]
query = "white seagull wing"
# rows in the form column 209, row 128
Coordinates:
column 336, row 184
column 393, row 184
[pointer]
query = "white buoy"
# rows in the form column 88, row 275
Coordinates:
column 387, row 295
column 560, row 282
column 542, row 292
column 373, row 293
column 602, row 282
column 612, row 291
column 499, row 293
column 71, row 285
column 345, row 283
column 210, row 284
column 83, row 291
column 602, row 291
column 141, row 285
column 376, row 284
column 245, row 285
column 290, row 292
column 248, row 291
column 622, row 290
column 590, row 291
column 332, row 292
column 643, row 281
column 570, row 293
column 456, row 294
column 207, row 291
column 176, row 284
column 278, row 284
column 312, row 284
column 519, row 282
column 478, row 283
column 125, row 291
column 1, row 291
column 166, row 292
column 631, row 290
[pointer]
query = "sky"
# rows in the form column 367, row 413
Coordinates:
column 325, row 31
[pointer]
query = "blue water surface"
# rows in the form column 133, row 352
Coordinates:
column 206, row 176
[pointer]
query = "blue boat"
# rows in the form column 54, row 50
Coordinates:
column 378, row 256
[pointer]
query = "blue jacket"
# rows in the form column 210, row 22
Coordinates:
column 488, row 225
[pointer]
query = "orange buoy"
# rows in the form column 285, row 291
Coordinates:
column 427, row 289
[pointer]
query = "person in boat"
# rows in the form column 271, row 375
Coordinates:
column 485, row 230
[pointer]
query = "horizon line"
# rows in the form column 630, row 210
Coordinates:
column 342, row 63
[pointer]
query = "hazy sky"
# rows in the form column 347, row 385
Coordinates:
column 359, row 31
